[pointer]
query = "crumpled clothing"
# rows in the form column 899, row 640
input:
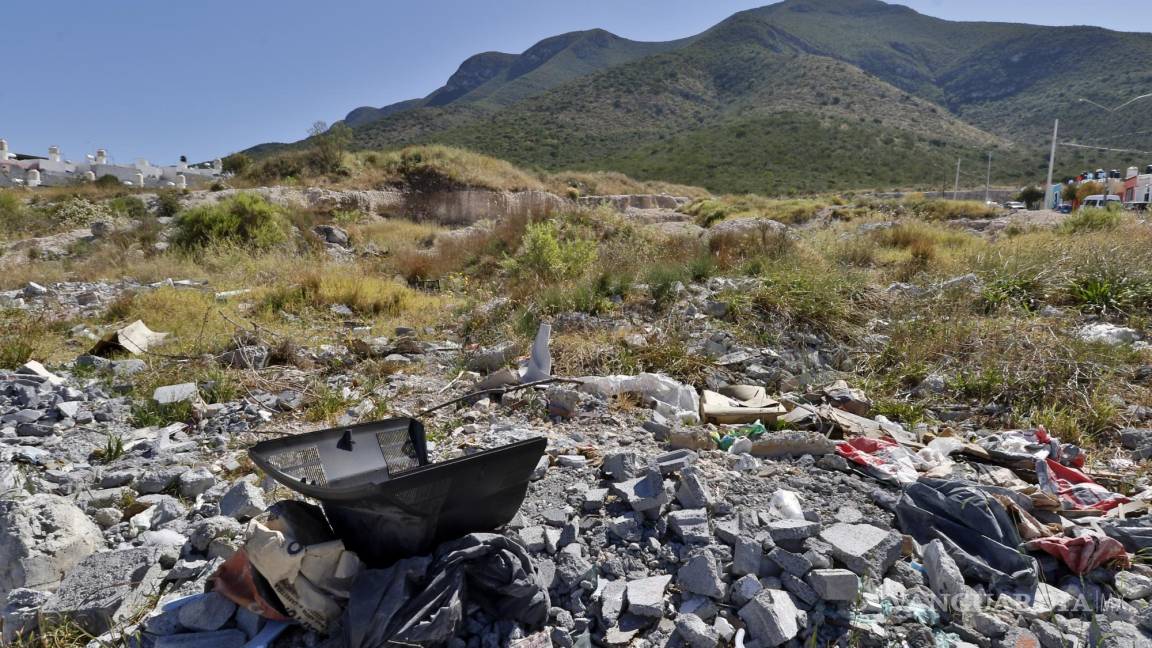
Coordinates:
column 1082, row 554
column 1076, row 490
column 890, row 462
column 421, row 601
column 1027, row 445
column 975, row 528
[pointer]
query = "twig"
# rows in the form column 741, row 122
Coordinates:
column 499, row 390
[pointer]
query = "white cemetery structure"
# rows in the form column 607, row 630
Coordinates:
column 18, row 169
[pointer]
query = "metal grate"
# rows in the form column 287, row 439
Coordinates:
column 302, row 464
column 398, row 450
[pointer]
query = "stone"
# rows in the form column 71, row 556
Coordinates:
column 612, row 599
column 205, row 531
column 594, row 499
column 1017, row 637
column 332, row 234
column 792, row 563
column 695, row 632
column 1133, row 586
column 622, row 466
column 988, row 625
column 770, row 618
column 675, row 461
column 798, row 588
column 745, row 589
column 791, row 443
column 792, row 530
column 171, row 394
column 701, row 606
column 532, row 538
column 206, row 613
column 107, row 517
column 727, row 530
column 105, row 589
column 572, row 461
column 701, row 575
column 944, row 575
column 158, row 479
column 643, row 493
column 217, row 639
column 835, row 584
column 691, row 525
column 246, row 357
column 693, row 491
column 627, row 527
column 863, row 548
column 21, row 614
column 192, row 483
column 851, row 400
column 1050, row 636
column 42, row 538
column 243, row 501
column 747, row 555
column 646, row 596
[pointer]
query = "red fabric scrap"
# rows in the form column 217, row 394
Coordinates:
column 1075, row 488
column 1082, row 554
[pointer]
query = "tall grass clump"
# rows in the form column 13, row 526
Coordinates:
column 543, row 255
column 1091, row 219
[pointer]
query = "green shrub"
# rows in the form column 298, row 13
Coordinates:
column 1104, row 291
column 662, row 281
column 78, row 212
column 236, row 163
column 167, row 204
column 245, row 219
column 128, row 207
column 108, row 181
column 1091, row 219
column 545, row 256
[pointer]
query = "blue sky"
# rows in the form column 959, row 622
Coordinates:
column 160, row 79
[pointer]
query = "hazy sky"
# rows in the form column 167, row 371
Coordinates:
column 160, row 79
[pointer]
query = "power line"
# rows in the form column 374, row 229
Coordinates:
column 1104, row 148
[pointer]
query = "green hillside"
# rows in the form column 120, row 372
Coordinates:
column 803, row 95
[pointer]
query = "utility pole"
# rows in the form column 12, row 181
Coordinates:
column 1051, row 162
column 956, row 187
column 988, row 180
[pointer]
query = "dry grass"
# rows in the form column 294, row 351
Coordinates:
column 609, row 183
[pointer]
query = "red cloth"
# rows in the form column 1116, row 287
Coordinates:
column 1082, row 554
column 1074, row 488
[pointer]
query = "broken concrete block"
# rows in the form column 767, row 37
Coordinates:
column 701, row 575
column 691, row 525
column 1133, row 586
column 627, row 527
column 863, row 548
column 594, row 499
column 789, row 530
column 695, row 632
column 612, row 600
column 643, row 493
column 771, row 617
column 192, row 483
column 693, row 491
column 675, row 461
column 105, row 589
column 646, row 596
column 747, row 554
column 798, row 588
column 944, row 576
column 690, row 438
column 834, row 584
column 42, row 538
column 794, row 564
column 621, row 466
column 206, row 613
column 745, row 589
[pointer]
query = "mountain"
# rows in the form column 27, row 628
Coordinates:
column 804, row 95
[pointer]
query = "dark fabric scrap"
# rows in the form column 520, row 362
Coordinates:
column 975, row 528
column 421, row 601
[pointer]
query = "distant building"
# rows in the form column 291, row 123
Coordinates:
column 54, row 171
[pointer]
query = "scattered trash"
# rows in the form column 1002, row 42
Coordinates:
column 739, row 404
column 1075, row 489
column 136, row 338
column 1084, row 553
column 671, row 398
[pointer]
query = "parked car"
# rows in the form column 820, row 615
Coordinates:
column 1065, row 208
column 1015, row 204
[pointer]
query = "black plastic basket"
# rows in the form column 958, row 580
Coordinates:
column 390, row 504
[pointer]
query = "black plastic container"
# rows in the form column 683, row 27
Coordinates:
column 381, row 496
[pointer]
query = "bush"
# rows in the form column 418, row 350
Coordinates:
column 167, row 204
column 108, row 181
column 236, row 163
column 128, row 207
column 1091, row 219
column 245, row 219
column 78, row 212
column 543, row 255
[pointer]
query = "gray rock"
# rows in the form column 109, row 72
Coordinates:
column 798, row 588
column 612, row 599
column 835, row 584
column 727, row 530
column 863, row 548
column 701, row 575
column 158, row 479
column 745, row 589
column 532, row 538
column 792, row 530
column 695, row 632
column 676, row 460
column 622, row 466
column 645, row 494
column 594, row 499
column 42, row 538
column 243, row 501
column 217, row 639
column 747, row 555
column 21, row 614
column 771, row 618
column 944, row 575
column 693, row 491
column 192, row 483
column 207, row 530
column 1049, row 635
column 691, row 525
column 207, row 613
column 627, row 527
column 646, row 596
column 171, row 394
column 106, row 589
column 1133, row 586
column 246, row 357
column 794, row 564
